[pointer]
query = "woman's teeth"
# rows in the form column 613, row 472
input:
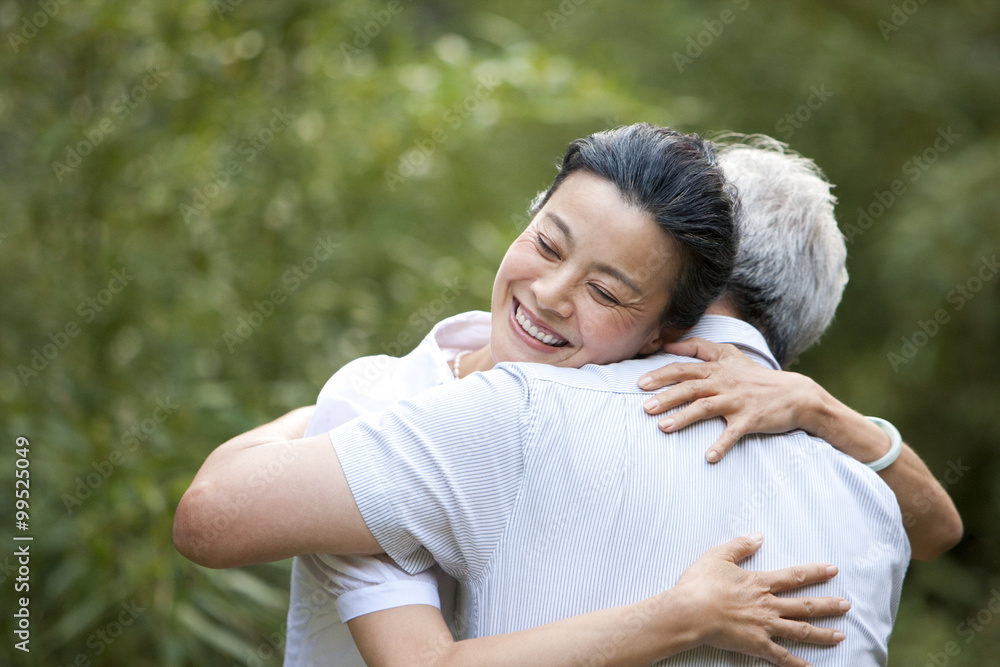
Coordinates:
column 526, row 324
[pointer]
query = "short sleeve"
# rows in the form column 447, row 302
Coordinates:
column 362, row 585
column 436, row 477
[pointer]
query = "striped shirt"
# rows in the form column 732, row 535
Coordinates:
column 549, row 492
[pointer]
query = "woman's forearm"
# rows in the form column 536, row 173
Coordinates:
column 932, row 522
column 632, row 635
column 714, row 602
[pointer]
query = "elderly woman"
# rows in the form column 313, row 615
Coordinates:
column 628, row 247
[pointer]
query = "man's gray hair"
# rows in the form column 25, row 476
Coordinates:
column 791, row 262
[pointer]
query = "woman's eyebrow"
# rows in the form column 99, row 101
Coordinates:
column 603, row 268
column 561, row 224
column 619, row 276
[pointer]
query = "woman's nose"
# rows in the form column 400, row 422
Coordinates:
column 552, row 293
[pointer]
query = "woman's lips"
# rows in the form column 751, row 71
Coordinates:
column 530, row 328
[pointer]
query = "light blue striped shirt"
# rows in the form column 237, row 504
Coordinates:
column 549, row 492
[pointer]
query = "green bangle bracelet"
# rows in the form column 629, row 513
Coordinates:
column 895, row 447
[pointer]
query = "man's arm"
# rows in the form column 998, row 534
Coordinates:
column 267, row 495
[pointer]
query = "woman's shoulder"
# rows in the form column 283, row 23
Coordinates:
column 374, row 382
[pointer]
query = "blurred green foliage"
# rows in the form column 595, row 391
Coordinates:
column 207, row 208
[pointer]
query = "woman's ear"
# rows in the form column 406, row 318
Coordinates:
column 662, row 337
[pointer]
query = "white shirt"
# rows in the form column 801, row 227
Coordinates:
column 326, row 590
column 548, row 492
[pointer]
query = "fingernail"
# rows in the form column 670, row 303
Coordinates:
column 645, row 382
column 845, row 605
column 756, row 537
column 831, row 570
column 838, row 636
column 712, row 456
column 667, row 424
column 651, row 404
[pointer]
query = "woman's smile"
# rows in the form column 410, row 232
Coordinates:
column 530, row 324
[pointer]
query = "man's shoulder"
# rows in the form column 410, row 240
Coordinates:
column 620, row 377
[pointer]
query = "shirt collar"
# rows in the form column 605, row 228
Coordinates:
column 722, row 329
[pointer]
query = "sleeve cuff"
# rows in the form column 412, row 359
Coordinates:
column 386, row 596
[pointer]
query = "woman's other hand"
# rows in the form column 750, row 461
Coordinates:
column 736, row 610
column 728, row 384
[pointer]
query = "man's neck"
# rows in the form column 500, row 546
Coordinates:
column 724, row 306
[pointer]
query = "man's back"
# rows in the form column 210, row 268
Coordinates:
column 548, row 492
column 612, row 510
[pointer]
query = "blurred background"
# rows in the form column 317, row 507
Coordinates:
column 207, row 207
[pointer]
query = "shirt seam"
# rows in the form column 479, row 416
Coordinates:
column 527, row 426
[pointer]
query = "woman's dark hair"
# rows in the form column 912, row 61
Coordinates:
column 676, row 180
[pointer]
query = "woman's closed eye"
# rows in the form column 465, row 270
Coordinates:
column 546, row 248
column 605, row 296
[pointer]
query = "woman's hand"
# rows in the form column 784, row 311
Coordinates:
column 736, row 610
column 751, row 398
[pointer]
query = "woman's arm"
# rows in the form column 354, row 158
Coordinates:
column 714, row 602
column 754, row 399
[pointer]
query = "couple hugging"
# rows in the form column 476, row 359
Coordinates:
column 741, row 515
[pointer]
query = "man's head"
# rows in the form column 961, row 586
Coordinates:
column 790, row 268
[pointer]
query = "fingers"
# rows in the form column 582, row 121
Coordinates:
column 800, row 575
column 699, row 348
column 700, row 408
column 726, row 441
column 810, row 607
column 672, row 374
column 779, row 655
column 683, row 390
column 739, row 548
column 801, row 631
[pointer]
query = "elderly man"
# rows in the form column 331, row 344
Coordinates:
column 579, row 487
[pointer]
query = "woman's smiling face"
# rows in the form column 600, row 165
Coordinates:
column 586, row 283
